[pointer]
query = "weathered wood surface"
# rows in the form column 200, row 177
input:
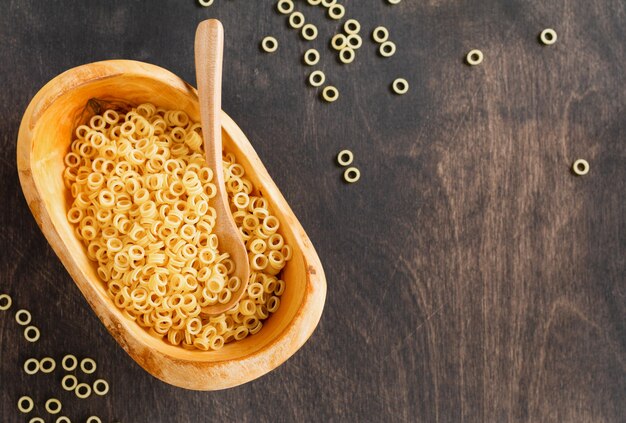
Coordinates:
column 471, row 276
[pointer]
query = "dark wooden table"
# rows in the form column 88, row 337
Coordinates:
column 471, row 276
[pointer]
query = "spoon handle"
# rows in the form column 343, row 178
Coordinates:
column 209, row 55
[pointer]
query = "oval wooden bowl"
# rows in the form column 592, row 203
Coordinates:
column 44, row 138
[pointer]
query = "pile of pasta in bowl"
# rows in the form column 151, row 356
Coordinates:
column 141, row 190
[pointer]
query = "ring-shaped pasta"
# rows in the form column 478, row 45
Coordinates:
column 69, row 362
column 351, row 175
column 269, row 44
column 548, row 36
column 330, row 94
column 53, row 406
column 317, row 78
column 63, row 419
column 394, row 1
column 309, row 32
column 47, row 365
column 328, row 3
column 380, row 34
column 31, row 366
column 354, row 41
column 285, row 6
column 400, row 86
column 345, row 157
column 311, row 57
column 100, row 387
column 36, row 420
column 88, row 365
column 387, row 49
column 296, row 20
column 347, row 55
column 205, row 3
column 25, row 404
column 474, row 57
column 5, row 302
column 93, row 419
column 314, row 2
column 338, row 41
column 580, row 167
column 32, row 334
column 82, row 390
column 352, row 26
column 336, row 11
column 23, row 317
column 69, row 382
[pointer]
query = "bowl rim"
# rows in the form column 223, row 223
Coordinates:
column 238, row 370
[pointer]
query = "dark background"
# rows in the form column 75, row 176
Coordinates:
column 471, row 276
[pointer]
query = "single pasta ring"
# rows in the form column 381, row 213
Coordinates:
column 474, row 57
column 309, row 32
column 311, row 57
column 23, row 317
column 330, row 94
column 354, row 41
column 32, row 334
column 393, row 1
column 82, row 390
column 69, row 382
column 62, row 419
column 88, row 365
column 336, row 11
column 205, row 3
column 269, row 44
column 25, row 404
column 296, row 20
column 338, row 41
column 347, row 55
column 31, row 366
column 53, row 406
column 100, row 387
column 69, row 362
column 580, row 167
column 285, row 6
column 93, row 419
column 5, row 302
column 317, row 78
column 400, row 86
column 352, row 26
column 387, row 49
column 47, row 365
column 380, row 34
column 548, row 36
column 351, row 175
column 345, row 157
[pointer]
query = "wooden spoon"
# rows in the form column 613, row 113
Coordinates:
column 209, row 52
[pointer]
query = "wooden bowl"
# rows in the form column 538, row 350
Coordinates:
column 44, row 138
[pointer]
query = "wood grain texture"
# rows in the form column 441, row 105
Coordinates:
column 471, row 276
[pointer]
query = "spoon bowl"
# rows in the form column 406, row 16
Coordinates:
column 44, row 138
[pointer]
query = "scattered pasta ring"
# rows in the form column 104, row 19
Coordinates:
column 328, row 3
column 309, row 32
column 285, row 6
column 347, row 55
column 345, row 157
column 474, row 57
column 88, row 365
column 63, row 419
column 69, row 362
column 5, row 302
column 351, row 175
column 30, row 370
column 311, row 57
column 296, row 20
column 47, row 365
column 32, row 334
column 400, row 86
column 205, row 3
column 580, row 167
column 82, row 390
column 380, row 34
column 393, row 1
column 100, row 387
column 387, row 49
column 36, row 420
column 314, row 2
column 69, row 382
column 93, row 419
column 355, row 41
column 548, row 36
column 25, row 404
column 330, row 94
column 269, row 44
column 352, row 26
column 336, row 11
column 53, row 406
column 338, row 41
column 23, row 317
column 317, row 78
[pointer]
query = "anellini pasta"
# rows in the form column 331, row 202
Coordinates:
column 141, row 191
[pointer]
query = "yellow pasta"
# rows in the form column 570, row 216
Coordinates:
column 141, row 193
